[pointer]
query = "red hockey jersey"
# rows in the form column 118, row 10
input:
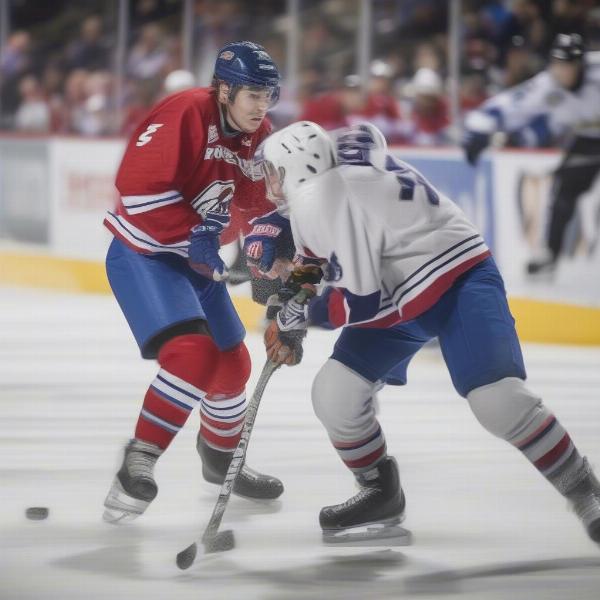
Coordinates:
column 178, row 164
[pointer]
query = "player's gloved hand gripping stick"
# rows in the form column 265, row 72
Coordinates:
column 204, row 246
column 212, row 539
column 289, row 313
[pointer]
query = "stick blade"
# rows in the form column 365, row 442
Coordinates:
column 221, row 542
column 186, row 557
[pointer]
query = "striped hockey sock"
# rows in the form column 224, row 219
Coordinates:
column 167, row 405
column 548, row 446
column 363, row 454
column 222, row 420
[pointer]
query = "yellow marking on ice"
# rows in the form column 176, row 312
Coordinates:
column 86, row 276
column 537, row 321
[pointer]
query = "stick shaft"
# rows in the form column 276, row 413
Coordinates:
column 240, row 452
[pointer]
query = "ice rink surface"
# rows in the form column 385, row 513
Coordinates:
column 486, row 525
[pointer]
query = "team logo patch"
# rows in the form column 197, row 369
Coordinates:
column 227, row 55
column 333, row 270
column 214, row 198
column 246, row 142
column 213, row 134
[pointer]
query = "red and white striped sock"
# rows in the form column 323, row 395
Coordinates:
column 222, row 419
column 363, row 454
column 546, row 443
column 167, row 405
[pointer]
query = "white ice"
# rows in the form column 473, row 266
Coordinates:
column 486, row 525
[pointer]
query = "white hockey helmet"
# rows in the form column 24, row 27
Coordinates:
column 361, row 144
column 291, row 156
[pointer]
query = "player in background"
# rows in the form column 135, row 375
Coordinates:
column 406, row 266
column 559, row 105
column 186, row 166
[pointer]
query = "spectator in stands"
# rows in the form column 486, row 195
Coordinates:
column 95, row 116
column 90, row 49
column 15, row 62
column 352, row 103
column 53, row 83
column 33, row 113
column 427, row 117
column 472, row 89
column 149, row 55
column 74, row 100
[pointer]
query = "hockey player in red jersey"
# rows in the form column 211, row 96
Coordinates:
column 186, row 166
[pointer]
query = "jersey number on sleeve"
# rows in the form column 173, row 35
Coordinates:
column 147, row 135
column 408, row 180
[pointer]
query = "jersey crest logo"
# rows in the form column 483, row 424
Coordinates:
column 333, row 270
column 147, row 135
column 214, row 198
column 246, row 142
column 213, row 134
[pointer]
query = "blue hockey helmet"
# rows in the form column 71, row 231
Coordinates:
column 247, row 64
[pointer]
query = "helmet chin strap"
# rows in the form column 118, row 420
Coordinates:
column 228, row 124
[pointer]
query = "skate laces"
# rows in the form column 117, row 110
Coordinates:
column 364, row 493
column 141, row 458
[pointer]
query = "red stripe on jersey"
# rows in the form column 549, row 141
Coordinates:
column 428, row 297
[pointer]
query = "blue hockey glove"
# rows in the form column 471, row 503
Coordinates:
column 260, row 245
column 204, row 247
column 474, row 143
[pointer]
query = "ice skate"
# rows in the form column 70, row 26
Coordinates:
column 584, row 498
column 249, row 483
column 133, row 487
column 371, row 517
column 544, row 263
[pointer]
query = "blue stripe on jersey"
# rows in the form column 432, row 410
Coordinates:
column 152, row 201
column 181, row 246
column 412, row 287
column 425, row 265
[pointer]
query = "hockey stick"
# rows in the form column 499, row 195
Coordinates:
column 212, row 539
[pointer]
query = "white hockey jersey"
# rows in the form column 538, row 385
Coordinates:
column 542, row 111
column 393, row 243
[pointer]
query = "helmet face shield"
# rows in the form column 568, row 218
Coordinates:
column 268, row 95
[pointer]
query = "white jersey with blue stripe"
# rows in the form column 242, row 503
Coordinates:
column 393, row 242
column 542, row 111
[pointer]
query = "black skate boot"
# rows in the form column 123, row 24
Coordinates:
column 371, row 515
column 543, row 264
column 133, row 487
column 249, row 483
column 584, row 498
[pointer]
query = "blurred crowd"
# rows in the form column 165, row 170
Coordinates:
column 59, row 75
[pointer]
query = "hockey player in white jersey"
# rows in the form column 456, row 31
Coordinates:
column 406, row 266
column 559, row 106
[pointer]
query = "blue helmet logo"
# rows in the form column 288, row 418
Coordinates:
column 247, row 63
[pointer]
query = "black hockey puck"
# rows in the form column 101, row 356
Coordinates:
column 37, row 513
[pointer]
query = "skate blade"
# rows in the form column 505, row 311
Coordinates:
column 376, row 534
column 120, row 507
